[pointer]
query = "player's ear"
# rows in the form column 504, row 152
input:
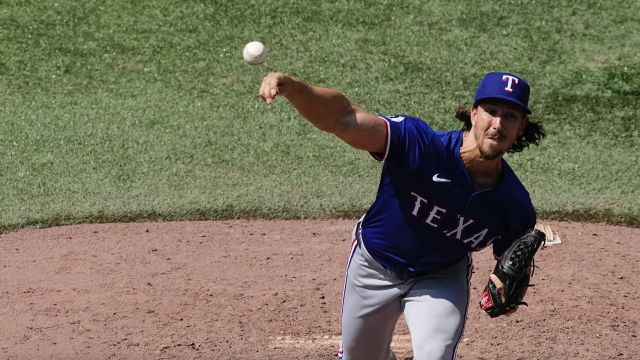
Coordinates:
column 473, row 112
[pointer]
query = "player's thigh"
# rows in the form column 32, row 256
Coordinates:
column 371, row 308
column 435, row 310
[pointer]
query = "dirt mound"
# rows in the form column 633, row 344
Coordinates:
column 271, row 290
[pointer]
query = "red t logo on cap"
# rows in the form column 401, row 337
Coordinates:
column 510, row 81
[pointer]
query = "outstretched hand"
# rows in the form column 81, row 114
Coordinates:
column 273, row 84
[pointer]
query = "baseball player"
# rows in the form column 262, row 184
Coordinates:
column 442, row 195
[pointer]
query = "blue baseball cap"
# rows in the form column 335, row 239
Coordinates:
column 504, row 86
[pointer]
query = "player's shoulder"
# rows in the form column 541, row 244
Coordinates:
column 451, row 137
column 399, row 118
column 408, row 121
column 416, row 125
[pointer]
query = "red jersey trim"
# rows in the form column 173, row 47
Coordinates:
column 383, row 156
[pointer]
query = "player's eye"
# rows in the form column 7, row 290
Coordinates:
column 510, row 116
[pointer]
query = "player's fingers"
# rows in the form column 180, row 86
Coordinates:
column 275, row 82
column 500, row 286
column 265, row 89
column 270, row 88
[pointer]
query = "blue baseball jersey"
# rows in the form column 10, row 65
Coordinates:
column 427, row 213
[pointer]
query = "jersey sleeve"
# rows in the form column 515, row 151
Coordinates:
column 407, row 140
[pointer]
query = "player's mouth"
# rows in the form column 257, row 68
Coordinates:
column 496, row 137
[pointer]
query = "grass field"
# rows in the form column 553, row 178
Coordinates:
column 130, row 110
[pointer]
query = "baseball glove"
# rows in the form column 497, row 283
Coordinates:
column 514, row 269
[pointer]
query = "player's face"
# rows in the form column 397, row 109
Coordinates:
column 495, row 126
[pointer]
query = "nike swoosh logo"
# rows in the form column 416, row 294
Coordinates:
column 439, row 179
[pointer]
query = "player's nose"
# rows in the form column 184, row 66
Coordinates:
column 497, row 121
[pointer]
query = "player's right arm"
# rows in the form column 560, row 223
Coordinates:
column 328, row 110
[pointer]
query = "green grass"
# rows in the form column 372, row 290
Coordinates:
column 129, row 110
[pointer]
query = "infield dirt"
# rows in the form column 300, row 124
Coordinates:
column 272, row 290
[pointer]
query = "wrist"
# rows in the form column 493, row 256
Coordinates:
column 289, row 86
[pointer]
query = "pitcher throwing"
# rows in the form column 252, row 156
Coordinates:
column 442, row 195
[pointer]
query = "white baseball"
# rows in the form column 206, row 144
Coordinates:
column 254, row 53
